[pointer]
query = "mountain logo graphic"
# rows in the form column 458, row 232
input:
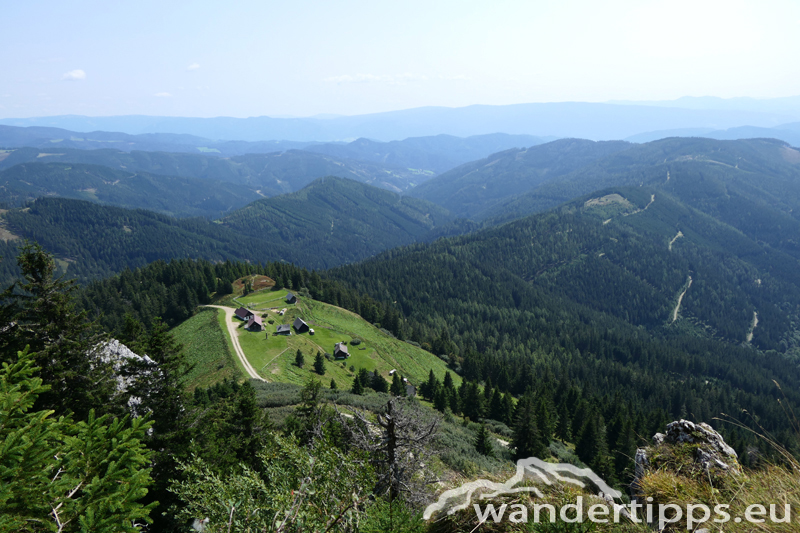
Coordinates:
column 533, row 470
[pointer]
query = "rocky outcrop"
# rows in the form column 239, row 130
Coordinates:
column 696, row 447
column 128, row 366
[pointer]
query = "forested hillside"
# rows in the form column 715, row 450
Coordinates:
column 435, row 154
column 271, row 174
column 92, row 241
column 58, row 139
column 338, row 218
column 601, row 293
column 698, row 171
column 473, row 188
column 169, row 195
column 332, row 221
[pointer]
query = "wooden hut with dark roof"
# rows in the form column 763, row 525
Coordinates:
column 340, row 351
column 300, row 325
column 255, row 323
column 243, row 313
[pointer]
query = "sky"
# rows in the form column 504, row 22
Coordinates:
column 304, row 58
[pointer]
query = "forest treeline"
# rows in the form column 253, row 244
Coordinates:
column 521, row 338
column 331, row 222
column 99, row 438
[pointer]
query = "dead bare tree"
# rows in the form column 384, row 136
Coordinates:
column 399, row 443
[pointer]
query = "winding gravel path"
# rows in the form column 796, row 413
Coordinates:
column 680, row 299
column 235, row 340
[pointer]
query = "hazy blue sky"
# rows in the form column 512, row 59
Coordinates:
column 302, row 58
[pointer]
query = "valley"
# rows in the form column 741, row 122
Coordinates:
column 566, row 285
column 384, row 267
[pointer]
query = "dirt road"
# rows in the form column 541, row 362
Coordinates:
column 680, row 299
column 235, row 340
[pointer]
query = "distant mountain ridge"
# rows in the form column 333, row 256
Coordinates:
column 596, row 121
column 471, row 189
column 171, row 195
column 437, row 154
column 339, row 219
column 330, row 222
column 431, row 155
column 789, row 133
column 515, row 183
column 269, row 174
column 682, row 165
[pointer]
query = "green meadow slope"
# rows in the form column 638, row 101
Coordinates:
column 273, row 356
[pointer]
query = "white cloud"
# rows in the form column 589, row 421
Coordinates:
column 74, row 75
column 163, row 95
column 392, row 79
column 193, row 66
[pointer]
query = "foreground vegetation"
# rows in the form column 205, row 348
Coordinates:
column 266, row 456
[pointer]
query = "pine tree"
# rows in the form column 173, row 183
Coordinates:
column 483, row 442
column 488, row 393
column 429, row 388
column 544, row 420
column 358, row 387
column 527, row 441
column 158, row 382
column 299, row 360
column 100, row 464
column 440, row 400
column 508, row 409
column 448, row 381
column 40, row 313
column 224, row 287
column 250, row 425
column 592, row 447
column 625, row 448
column 496, row 406
column 398, row 388
column 564, row 423
column 378, row 383
column 319, row 364
column 472, row 401
column 333, row 385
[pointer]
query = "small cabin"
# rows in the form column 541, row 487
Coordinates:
column 243, row 314
column 411, row 390
column 291, row 298
column 283, row 329
column 340, row 351
column 300, row 325
column 255, row 323
column 310, row 331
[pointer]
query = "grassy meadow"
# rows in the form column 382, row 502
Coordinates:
column 208, row 348
column 273, row 356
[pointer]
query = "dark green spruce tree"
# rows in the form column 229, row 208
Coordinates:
column 319, row 364
column 483, row 442
column 527, row 441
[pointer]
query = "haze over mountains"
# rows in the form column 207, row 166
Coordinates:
column 595, row 121
column 646, row 281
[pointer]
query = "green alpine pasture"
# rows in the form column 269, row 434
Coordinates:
column 265, row 299
column 273, row 356
column 208, row 348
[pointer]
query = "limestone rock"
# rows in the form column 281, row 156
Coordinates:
column 684, row 431
column 697, row 444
